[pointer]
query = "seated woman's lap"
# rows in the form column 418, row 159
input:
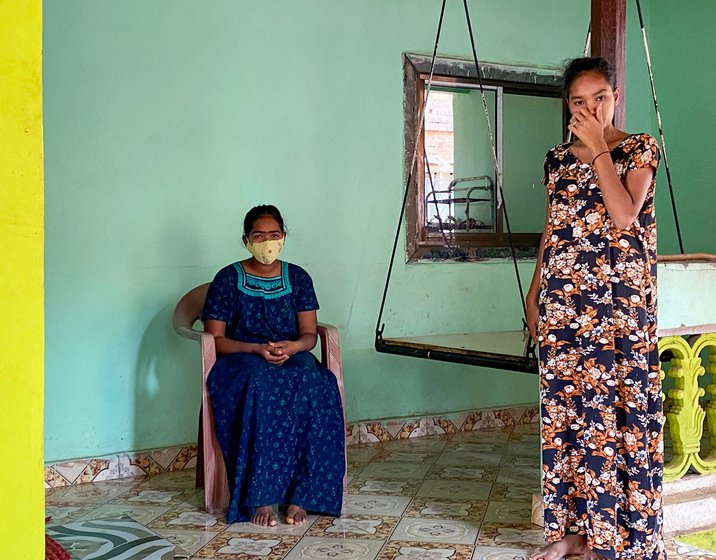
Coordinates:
column 241, row 364
column 235, row 374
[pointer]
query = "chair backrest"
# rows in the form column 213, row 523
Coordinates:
column 188, row 310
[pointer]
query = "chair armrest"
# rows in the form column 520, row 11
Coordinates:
column 207, row 343
column 331, row 349
column 191, row 334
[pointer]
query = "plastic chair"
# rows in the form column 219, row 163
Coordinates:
column 210, row 469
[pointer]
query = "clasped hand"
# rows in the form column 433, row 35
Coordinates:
column 277, row 352
column 589, row 129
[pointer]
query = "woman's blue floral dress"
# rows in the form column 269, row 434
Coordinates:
column 280, row 426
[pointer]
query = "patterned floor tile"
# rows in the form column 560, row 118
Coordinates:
column 94, row 493
column 409, row 491
column 419, row 444
column 281, row 527
column 453, row 531
column 375, row 505
column 156, row 496
column 523, row 437
column 390, row 471
column 508, row 512
column 524, row 449
column 406, row 456
column 514, row 492
column 424, row 551
column 518, row 475
column 495, row 553
column 454, row 489
column 248, row 547
column 190, row 541
column 496, row 448
column 389, row 487
column 354, row 527
column 484, row 474
column 140, row 513
column 481, row 436
column 193, row 499
column 362, row 454
column 175, row 480
column 530, row 428
column 319, row 548
column 180, row 518
column 523, row 462
column 461, row 458
column 522, row 535
column 68, row 512
column 446, row 509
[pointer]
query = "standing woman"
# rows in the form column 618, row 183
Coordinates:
column 592, row 308
column 278, row 413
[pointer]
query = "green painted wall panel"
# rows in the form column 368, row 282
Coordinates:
column 532, row 126
column 166, row 121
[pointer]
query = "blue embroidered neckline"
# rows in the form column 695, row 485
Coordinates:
column 269, row 288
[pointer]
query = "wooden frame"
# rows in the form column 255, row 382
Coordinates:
column 422, row 244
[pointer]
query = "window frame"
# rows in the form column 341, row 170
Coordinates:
column 422, row 245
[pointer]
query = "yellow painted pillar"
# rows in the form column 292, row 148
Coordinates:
column 21, row 281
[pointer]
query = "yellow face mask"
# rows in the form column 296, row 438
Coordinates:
column 265, row 252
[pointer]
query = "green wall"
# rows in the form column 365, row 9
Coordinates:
column 683, row 46
column 166, row 121
column 532, row 125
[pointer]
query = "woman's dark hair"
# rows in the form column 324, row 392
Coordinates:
column 262, row 210
column 579, row 66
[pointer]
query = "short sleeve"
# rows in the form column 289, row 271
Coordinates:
column 545, row 177
column 304, row 294
column 547, row 167
column 220, row 304
column 643, row 153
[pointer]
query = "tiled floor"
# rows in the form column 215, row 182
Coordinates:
column 464, row 496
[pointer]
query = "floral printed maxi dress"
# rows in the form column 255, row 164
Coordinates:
column 600, row 388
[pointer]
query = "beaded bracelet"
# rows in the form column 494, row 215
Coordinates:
column 599, row 154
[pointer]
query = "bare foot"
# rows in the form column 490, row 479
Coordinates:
column 264, row 516
column 571, row 544
column 295, row 515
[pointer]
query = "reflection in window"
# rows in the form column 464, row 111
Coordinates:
column 460, row 188
column 456, row 212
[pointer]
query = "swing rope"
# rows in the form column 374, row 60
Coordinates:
column 658, row 122
column 420, row 126
column 420, row 132
column 498, row 171
column 379, row 328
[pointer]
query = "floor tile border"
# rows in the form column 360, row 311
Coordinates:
column 155, row 461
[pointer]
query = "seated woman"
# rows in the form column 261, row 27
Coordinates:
column 278, row 413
